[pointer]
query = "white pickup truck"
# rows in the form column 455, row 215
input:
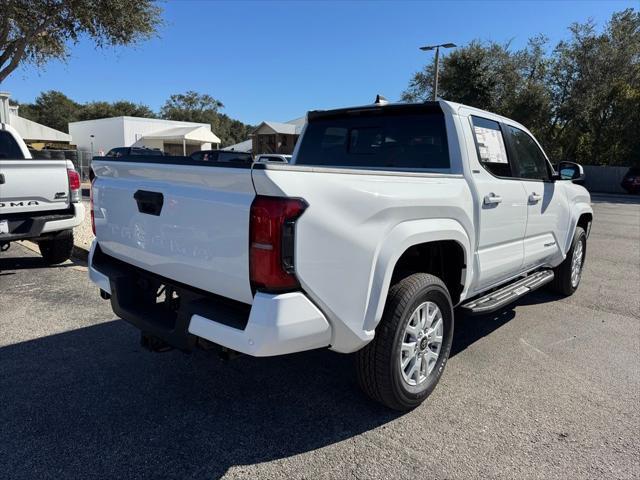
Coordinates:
column 387, row 218
column 40, row 200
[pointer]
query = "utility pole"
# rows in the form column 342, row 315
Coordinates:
column 437, row 49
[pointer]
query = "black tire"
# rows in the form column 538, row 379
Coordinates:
column 58, row 249
column 562, row 281
column 377, row 364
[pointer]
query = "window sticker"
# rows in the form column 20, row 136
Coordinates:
column 490, row 145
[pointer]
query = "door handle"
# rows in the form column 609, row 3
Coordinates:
column 535, row 198
column 492, row 199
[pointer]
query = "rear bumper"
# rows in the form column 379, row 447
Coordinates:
column 275, row 324
column 29, row 226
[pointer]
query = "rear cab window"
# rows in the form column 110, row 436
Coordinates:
column 398, row 137
column 9, row 148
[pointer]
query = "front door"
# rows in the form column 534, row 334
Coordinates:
column 547, row 206
column 502, row 206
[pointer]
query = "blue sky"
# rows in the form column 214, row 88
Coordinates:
column 276, row 60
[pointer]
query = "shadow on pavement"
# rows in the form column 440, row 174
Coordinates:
column 91, row 402
column 469, row 329
column 8, row 263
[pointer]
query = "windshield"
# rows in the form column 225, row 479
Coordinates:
column 377, row 140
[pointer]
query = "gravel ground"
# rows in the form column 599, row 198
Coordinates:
column 82, row 234
column 549, row 388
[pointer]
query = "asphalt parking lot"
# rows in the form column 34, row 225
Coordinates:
column 549, row 388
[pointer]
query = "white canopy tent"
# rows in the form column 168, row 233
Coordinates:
column 184, row 135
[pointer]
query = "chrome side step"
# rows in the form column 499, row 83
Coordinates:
column 507, row 294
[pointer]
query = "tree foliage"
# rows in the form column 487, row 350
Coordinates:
column 581, row 98
column 202, row 108
column 54, row 109
column 36, row 31
column 120, row 108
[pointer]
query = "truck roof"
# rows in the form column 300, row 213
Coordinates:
column 438, row 105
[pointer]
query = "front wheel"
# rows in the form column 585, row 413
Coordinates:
column 569, row 272
column 404, row 362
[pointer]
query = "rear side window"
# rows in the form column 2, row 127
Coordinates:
column 117, row 152
column 377, row 140
column 145, row 151
column 205, row 156
column 9, row 148
column 235, row 157
column 532, row 163
column 492, row 151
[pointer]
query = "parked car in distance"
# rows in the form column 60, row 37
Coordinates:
column 272, row 157
column 388, row 217
column 40, row 200
column 222, row 156
column 631, row 181
column 127, row 151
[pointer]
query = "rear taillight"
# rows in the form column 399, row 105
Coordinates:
column 93, row 218
column 272, row 243
column 74, row 185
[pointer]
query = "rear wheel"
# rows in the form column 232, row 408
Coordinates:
column 404, row 362
column 569, row 272
column 57, row 249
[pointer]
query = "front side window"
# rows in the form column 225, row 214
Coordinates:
column 9, row 148
column 532, row 163
column 395, row 140
column 492, row 151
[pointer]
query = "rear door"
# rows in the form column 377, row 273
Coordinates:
column 185, row 220
column 547, row 206
column 30, row 185
column 502, row 205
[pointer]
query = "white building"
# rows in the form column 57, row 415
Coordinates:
column 172, row 137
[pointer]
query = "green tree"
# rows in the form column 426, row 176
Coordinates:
column 581, row 99
column 36, row 31
column 202, row 108
column 101, row 109
column 595, row 88
column 53, row 109
column 191, row 107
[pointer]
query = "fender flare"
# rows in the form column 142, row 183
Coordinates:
column 578, row 210
column 399, row 239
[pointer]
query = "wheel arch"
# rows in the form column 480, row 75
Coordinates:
column 582, row 217
column 409, row 238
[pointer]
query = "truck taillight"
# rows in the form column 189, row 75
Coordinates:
column 74, row 185
column 93, row 218
column 272, row 242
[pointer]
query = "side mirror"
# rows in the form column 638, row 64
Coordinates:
column 570, row 171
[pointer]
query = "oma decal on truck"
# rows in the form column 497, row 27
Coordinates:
column 19, row 204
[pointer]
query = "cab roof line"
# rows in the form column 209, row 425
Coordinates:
column 426, row 107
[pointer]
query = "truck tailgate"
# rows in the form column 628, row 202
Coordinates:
column 185, row 222
column 33, row 186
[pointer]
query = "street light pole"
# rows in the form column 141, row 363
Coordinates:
column 437, row 49
column 435, row 80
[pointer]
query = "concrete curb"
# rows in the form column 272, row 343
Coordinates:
column 78, row 253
